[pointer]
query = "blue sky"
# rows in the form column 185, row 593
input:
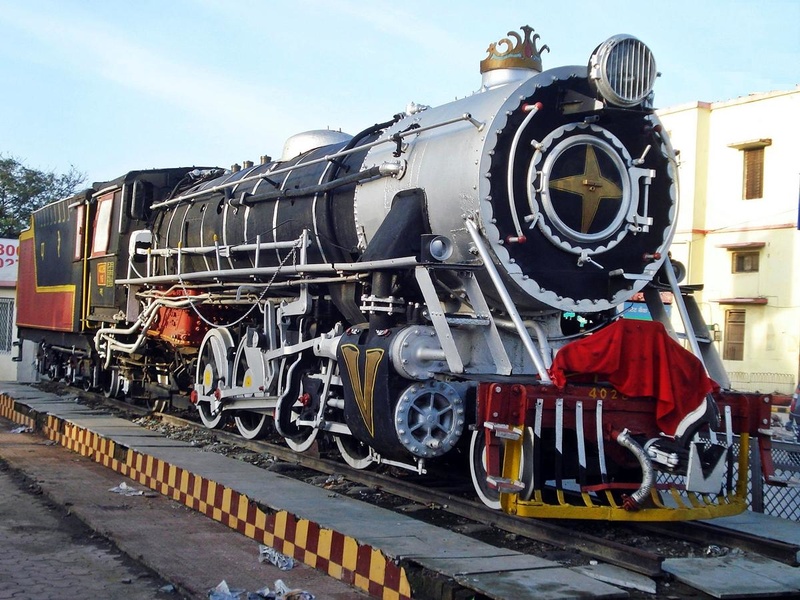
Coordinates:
column 109, row 86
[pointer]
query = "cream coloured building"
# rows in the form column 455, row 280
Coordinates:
column 738, row 229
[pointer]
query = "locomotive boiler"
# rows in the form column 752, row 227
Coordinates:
column 448, row 281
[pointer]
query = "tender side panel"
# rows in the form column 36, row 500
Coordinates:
column 44, row 306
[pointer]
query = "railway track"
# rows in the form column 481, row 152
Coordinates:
column 565, row 535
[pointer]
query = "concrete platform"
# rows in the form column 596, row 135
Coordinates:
column 48, row 554
column 383, row 553
column 749, row 576
column 774, row 528
column 42, row 557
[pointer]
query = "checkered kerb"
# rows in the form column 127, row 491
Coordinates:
column 338, row 555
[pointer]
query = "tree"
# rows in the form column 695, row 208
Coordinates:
column 23, row 190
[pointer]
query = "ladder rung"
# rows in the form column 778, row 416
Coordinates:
column 467, row 320
column 504, row 431
column 504, row 485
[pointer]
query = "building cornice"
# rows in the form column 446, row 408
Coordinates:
column 755, row 97
column 722, row 230
column 753, row 300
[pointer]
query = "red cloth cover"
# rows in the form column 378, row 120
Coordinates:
column 639, row 358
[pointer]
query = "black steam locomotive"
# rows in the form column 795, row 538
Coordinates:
column 451, row 280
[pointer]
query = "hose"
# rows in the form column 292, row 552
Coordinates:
column 635, row 500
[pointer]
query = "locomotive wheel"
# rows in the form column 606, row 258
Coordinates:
column 526, row 468
column 156, row 404
column 211, row 421
column 305, row 436
column 56, row 371
column 88, row 380
column 354, row 452
column 252, row 425
column 292, row 404
column 253, row 377
column 213, row 372
column 477, row 468
column 112, row 384
column 298, row 437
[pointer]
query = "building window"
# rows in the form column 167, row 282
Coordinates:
column 744, row 262
column 6, row 324
column 753, row 153
column 734, row 335
column 753, row 173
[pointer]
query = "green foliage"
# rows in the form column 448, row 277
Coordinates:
column 23, row 190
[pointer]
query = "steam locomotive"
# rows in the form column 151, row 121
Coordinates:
column 449, row 281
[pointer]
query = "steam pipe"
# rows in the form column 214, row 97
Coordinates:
column 635, row 500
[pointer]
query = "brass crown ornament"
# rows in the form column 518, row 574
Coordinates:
column 521, row 54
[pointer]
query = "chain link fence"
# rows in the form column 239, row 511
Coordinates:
column 777, row 501
column 781, row 501
column 6, row 324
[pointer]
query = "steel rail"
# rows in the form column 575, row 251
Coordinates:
column 705, row 533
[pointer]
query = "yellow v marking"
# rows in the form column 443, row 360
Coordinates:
column 363, row 389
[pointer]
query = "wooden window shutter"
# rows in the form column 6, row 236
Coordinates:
column 753, row 173
column 734, row 335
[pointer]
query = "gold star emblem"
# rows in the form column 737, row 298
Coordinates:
column 591, row 186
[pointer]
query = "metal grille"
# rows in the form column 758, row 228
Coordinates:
column 6, row 324
column 631, row 70
column 666, row 478
column 776, row 501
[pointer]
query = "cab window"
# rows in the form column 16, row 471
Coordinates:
column 102, row 225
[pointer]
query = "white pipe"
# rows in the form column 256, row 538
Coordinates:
column 541, row 336
column 507, row 302
column 532, row 110
column 392, row 263
column 684, row 313
column 142, row 323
